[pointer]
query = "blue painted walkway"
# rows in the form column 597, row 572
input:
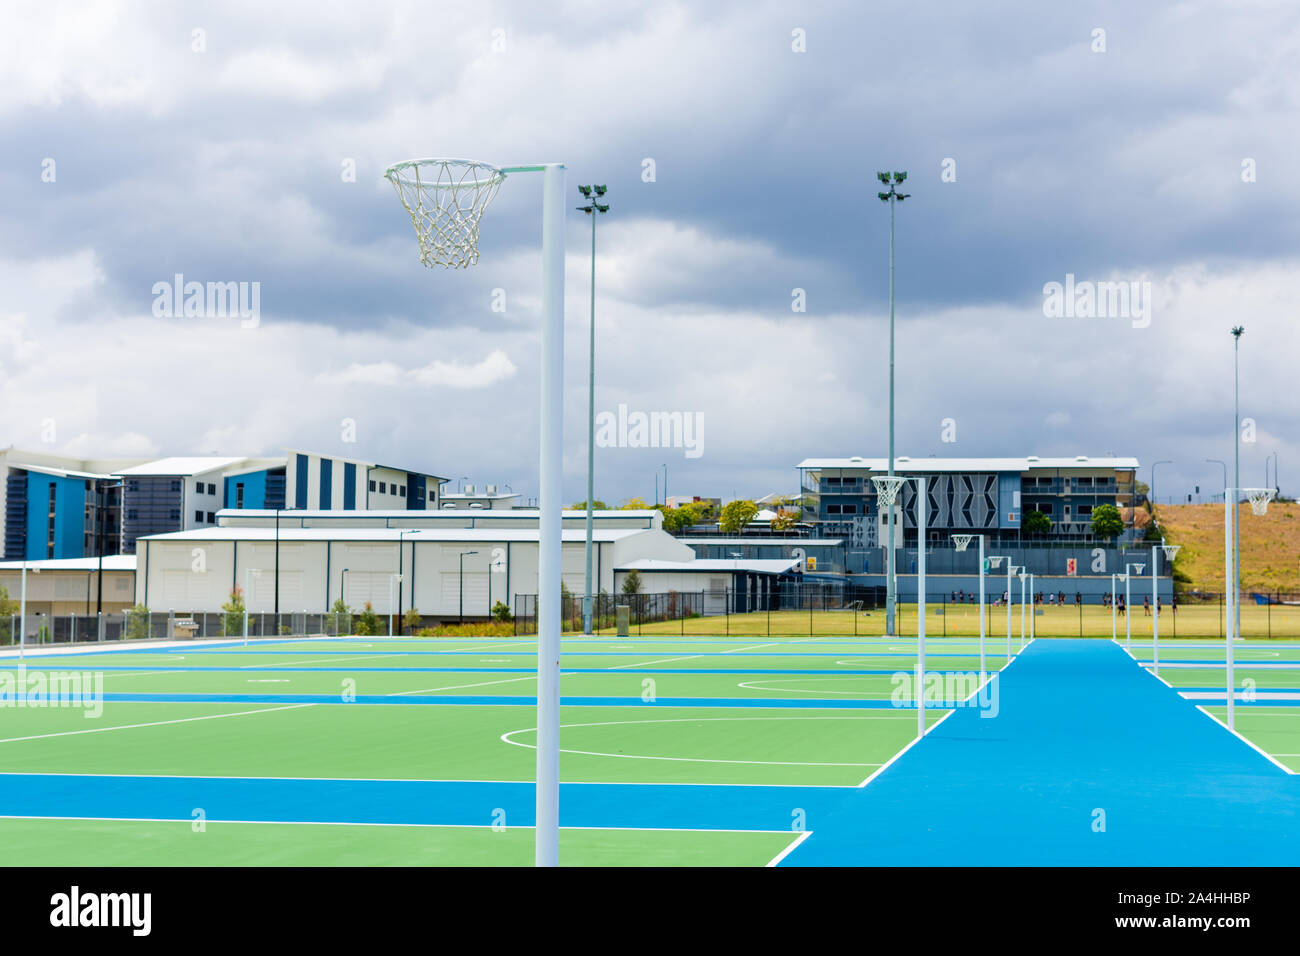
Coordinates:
column 1081, row 728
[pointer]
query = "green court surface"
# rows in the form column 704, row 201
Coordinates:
column 1274, row 730
column 178, row 843
column 697, row 712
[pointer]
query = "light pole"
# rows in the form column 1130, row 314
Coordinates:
column 99, row 546
column 343, row 596
column 248, row 596
column 893, row 181
column 394, row 584
column 1128, row 611
column 1165, row 461
column 461, row 583
column 592, row 209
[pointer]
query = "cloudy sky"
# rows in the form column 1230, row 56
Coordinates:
column 1153, row 146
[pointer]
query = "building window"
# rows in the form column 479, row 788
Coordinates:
column 401, row 491
column 239, row 494
column 130, row 514
column 175, row 514
column 133, row 485
column 383, row 488
column 832, row 509
column 433, row 496
column 198, row 487
column 198, row 517
column 850, row 509
column 212, row 519
column 212, row 489
column 372, row 485
column 1085, row 511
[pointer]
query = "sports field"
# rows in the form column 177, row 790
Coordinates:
column 420, row 751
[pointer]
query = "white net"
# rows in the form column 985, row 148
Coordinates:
column 1139, row 568
column 1259, row 499
column 1171, row 550
column 962, row 540
column 445, row 199
column 887, row 487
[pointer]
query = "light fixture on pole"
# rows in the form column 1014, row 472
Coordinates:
column 594, row 209
column 1164, row 461
column 445, row 199
column 893, row 181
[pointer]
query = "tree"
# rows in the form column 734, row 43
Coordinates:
column 411, row 619
column 501, row 612
column 679, row 519
column 137, row 623
column 1107, row 521
column 634, row 504
column 596, row 504
column 8, row 608
column 632, row 582
column 1035, row 522
column 736, row 515
column 784, row 520
column 341, row 616
column 367, row 623
column 233, row 621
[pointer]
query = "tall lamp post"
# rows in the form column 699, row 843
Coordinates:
column 99, row 548
column 461, row 582
column 594, row 209
column 893, row 181
column 1216, row 461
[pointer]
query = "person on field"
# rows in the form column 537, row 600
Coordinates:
column 1146, row 606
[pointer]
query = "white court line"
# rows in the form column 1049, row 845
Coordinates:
column 786, row 852
column 430, row 690
column 666, row 660
column 155, row 723
column 314, row 660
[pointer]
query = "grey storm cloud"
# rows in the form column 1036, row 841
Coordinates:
column 226, row 164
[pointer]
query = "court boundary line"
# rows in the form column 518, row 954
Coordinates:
column 794, row 845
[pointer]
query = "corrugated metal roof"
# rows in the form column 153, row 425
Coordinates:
column 294, row 535
column 181, row 467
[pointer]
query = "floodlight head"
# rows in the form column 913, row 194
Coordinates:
column 901, row 196
column 883, row 177
column 600, row 190
column 1237, row 330
column 884, row 197
column 603, row 208
column 586, row 191
column 900, row 177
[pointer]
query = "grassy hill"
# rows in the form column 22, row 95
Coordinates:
column 1270, row 546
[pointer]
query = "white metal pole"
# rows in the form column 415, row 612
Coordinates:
column 22, row 613
column 248, row 597
column 1114, row 626
column 1155, row 609
column 1032, row 612
column 1023, row 577
column 1128, row 611
column 922, row 492
column 1008, row 660
column 1228, row 516
column 548, row 578
column 983, row 669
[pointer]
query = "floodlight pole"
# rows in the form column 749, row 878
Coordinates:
column 592, row 209
column 892, row 180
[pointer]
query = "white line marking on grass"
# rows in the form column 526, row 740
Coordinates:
column 314, row 660
column 686, row 720
column 529, row 782
column 666, row 660
column 430, row 690
column 751, row 685
column 268, row 680
column 787, row 851
column 155, row 723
